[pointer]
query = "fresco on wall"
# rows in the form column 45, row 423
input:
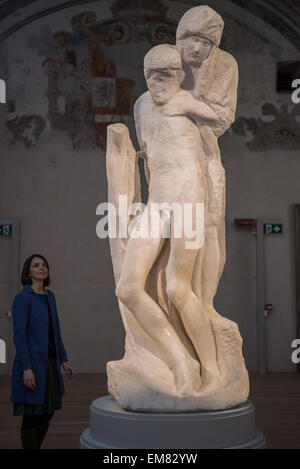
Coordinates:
column 25, row 129
column 85, row 96
column 85, row 93
column 132, row 21
column 279, row 129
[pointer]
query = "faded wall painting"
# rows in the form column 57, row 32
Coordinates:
column 277, row 129
column 85, row 92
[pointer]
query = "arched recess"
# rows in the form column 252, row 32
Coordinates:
column 283, row 17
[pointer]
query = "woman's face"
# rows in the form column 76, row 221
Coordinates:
column 38, row 269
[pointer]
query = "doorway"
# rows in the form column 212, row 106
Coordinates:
column 9, row 286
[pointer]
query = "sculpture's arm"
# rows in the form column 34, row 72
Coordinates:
column 201, row 112
column 215, row 93
column 143, row 156
column 143, row 153
column 147, row 172
column 222, row 96
column 184, row 104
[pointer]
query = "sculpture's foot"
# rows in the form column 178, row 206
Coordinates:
column 187, row 377
column 211, row 380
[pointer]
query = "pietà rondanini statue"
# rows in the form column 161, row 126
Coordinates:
column 180, row 353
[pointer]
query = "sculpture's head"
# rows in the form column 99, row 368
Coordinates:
column 163, row 72
column 199, row 31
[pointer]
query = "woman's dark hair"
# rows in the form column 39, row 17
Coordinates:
column 25, row 279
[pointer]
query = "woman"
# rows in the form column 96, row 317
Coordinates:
column 37, row 385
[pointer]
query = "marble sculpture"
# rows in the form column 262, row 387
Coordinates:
column 180, row 353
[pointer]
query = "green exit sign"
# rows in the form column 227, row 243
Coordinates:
column 5, row 230
column 272, row 228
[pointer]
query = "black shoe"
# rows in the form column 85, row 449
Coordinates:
column 29, row 438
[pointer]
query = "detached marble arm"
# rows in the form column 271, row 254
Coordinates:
column 143, row 156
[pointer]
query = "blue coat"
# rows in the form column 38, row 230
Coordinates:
column 31, row 322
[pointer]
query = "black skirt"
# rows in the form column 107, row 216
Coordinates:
column 52, row 397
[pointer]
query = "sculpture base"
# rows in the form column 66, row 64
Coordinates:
column 143, row 382
column 112, row 427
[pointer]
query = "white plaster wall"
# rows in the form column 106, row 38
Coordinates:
column 54, row 190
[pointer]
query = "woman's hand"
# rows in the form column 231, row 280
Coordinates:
column 29, row 379
column 68, row 369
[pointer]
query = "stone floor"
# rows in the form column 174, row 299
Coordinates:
column 276, row 397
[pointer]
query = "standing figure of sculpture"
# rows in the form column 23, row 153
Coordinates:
column 212, row 75
column 177, row 175
column 180, row 354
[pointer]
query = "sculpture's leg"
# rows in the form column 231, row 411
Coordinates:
column 195, row 319
column 139, row 258
column 210, row 269
column 215, row 246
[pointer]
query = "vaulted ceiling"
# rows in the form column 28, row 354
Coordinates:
column 283, row 15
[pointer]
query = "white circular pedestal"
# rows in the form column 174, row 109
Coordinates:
column 112, row 427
